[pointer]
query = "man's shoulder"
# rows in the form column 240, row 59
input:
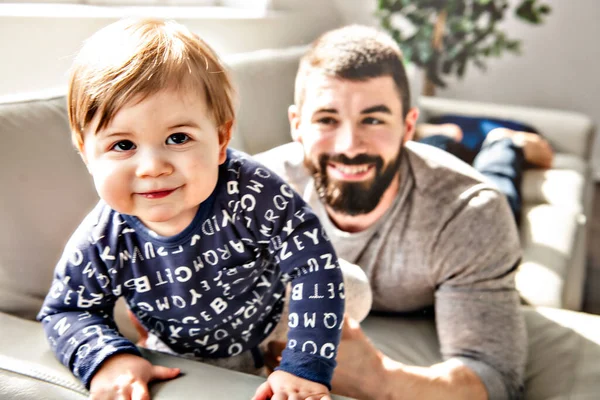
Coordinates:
column 448, row 191
column 437, row 173
column 461, row 212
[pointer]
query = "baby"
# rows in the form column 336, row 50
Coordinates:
column 200, row 240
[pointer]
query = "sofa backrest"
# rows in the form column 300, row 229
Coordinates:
column 46, row 191
column 265, row 84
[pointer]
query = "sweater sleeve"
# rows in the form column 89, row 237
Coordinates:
column 297, row 242
column 477, row 306
column 77, row 314
column 316, row 303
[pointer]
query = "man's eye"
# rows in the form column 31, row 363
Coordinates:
column 178, row 138
column 326, row 121
column 123, row 145
column 372, row 121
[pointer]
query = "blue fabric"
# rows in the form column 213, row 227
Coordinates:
column 214, row 290
column 451, row 146
column 475, row 129
column 502, row 163
column 305, row 367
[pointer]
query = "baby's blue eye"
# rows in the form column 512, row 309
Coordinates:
column 178, row 138
column 123, row 145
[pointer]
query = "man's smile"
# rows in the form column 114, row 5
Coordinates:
column 340, row 171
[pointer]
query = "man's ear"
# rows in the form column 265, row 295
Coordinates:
column 224, row 139
column 294, row 117
column 410, row 124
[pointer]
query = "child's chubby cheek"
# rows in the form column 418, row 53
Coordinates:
column 114, row 188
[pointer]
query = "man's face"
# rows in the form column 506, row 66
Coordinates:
column 352, row 133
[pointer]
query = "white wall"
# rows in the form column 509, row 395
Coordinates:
column 36, row 52
column 559, row 67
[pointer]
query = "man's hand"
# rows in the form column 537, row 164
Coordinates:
column 126, row 377
column 284, row 386
column 360, row 371
column 536, row 149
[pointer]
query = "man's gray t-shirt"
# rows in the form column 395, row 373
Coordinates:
column 449, row 240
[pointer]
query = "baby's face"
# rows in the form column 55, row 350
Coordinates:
column 157, row 159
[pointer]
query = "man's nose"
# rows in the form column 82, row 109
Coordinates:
column 349, row 141
column 153, row 163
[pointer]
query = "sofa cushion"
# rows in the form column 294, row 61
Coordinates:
column 570, row 161
column 564, row 187
column 563, row 349
column 33, row 372
column 548, row 235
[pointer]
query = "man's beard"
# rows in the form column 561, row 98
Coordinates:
column 353, row 198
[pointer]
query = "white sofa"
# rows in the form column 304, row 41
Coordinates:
column 46, row 191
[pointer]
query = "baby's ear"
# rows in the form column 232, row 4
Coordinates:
column 79, row 147
column 224, row 139
column 85, row 161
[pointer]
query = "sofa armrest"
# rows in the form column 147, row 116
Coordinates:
column 29, row 370
column 567, row 132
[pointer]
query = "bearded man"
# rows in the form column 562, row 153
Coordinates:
column 432, row 236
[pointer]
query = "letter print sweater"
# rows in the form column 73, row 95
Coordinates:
column 214, row 290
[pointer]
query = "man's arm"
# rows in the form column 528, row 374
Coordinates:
column 448, row 380
column 364, row 372
column 478, row 320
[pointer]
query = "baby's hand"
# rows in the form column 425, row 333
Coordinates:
column 126, row 377
column 283, row 386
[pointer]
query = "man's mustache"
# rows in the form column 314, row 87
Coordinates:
column 356, row 160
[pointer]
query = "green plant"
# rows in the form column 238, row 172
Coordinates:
column 443, row 36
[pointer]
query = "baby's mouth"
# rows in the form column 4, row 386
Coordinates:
column 157, row 194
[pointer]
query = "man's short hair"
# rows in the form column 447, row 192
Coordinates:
column 131, row 58
column 357, row 53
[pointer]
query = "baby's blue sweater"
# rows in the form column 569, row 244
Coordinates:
column 214, row 290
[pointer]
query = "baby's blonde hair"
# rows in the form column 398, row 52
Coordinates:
column 132, row 58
